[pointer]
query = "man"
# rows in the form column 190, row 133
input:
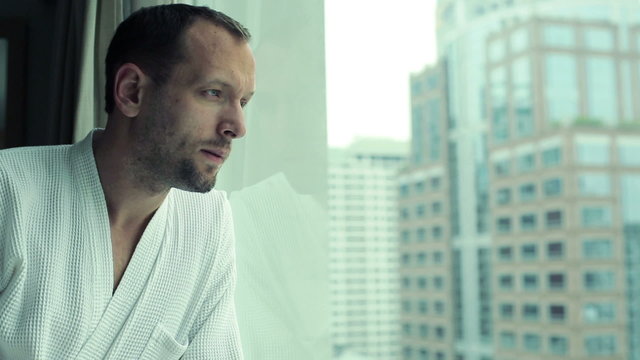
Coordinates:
column 115, row 247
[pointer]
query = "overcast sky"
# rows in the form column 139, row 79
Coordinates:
column 372, row 47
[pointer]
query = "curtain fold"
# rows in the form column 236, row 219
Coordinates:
column 67, row 56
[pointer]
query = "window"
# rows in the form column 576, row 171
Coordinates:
column 555, row 250
column 506, row 282
column 597, row 249
column 405, row 259
column 440, row 332
column 422, row 282
column 600, row 345
column 424, row 330
column 438, row 282
column 507, row 340
column 419, row 186
column 557, row 313
column 527, row 192
column 593, row 153
column 496, row 50
column 438, row 257
column 558, row 36
column 506, row 311
column 404, row 214
column 421, row 234
column 599, row 39
column 438, row 307
column 405, row 236
column 423, row 354
column 532, row 342
column 551, row 157
column 423, row 307
column 561, row 88
column 505, row 253
column 519, row 40
column 599, row 280
column 556, row 281
column 436, row 232
column 404, row 190
column 602, row 90
column 528, row 222
column 553, row 219
column 436, row 207
column 530, row 312
column 530, row 282
column 406, row 282
column 526, row 163
column 502, row 167
column 594, row 184
column 558, row 345
column 421, row 258
column 406, row 329
column 598, row 313
column 406, row 306
column 596, row 216
column 504, row 224
column 552, row 187
column 420, row 211
column 529, row 252
column 435, row 183
column 628, row 154
column 503, row 196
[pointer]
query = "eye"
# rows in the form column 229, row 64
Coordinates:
column 243, row 103
column 212, row 92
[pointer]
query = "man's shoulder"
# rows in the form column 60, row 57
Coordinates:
column 211, row 207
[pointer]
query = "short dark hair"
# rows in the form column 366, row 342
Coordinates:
column 152, row 39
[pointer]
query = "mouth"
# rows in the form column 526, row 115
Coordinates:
column 215, row 156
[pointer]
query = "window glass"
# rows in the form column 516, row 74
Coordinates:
column 529, row 252
column 502, row 167
column 530, row 311
column 593, row 153
column 519, row 40
column 599, row 312
column 527, row 192
column 507, row 340
column 506, row 311
column 503, row 196
column 558, row 345
column 555, row 250
column 503, row 224
column 601, row 280
column 532, row 342
column 522, row 95
column 561, row 88
column 496, row 50
column 596, row 216
column 598, row 39
column 556, row 281
column 597, row 249
column 602, row 90
column 600, row 345
column 528, row 222
column 628, row 154
column 500, row 121
column 557, row 312
column 594, row 184
column 552, row 187
column 530, row 282
column 553, row 219
column 558, row 35
column 551, row 157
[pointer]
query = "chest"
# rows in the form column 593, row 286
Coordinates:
column 123, row 245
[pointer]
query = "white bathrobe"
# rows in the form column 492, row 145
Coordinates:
column 175, row 300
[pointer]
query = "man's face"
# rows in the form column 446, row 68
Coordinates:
column 186, row 126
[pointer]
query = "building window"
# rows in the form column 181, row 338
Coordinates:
column 406, row 329
column 422, row 282
column 424, row 330
column 597, row 249
column 599, row 280
column 529, row 252
column 405, row 236
column 504, row 224
column 419, row 187
column 503, row 196
column 436, row 232
column 556, row 281
column 558, row 345
column 528, row 222
column 555, row 250
column 496, row 50
column 594, row 184
column 423, row 306
column 506, row 282
column 519, row 40
column 530, row 312
column 557, row 313
column 599, row 313
column 406, row 259
column 505, row 253
column 420, row 211
column 423, row 354
column 600, row 345
column 526, row 163
column 551, row 157
column 527, row 192
column 532, row 342
column 507, row 340
column 438, row 282
column 435, row 183
column 552, row 187
column 530, row 282
column 421, row 258
column 502, row 167
column 421, row 234
column 406, row 306
column 406, row 282
column 404, row 190
column 407, row 353
column 506, row 311
column 436, row 207
column 596, row 216
column 556, row 35
column 440, row 332
column 404, row 214
column 602, row 90
column 598, row 39
column 593, row 153
column 553, row 219
column 628, row 154
column 438, row 307
column 561, row 88
column 438, row 257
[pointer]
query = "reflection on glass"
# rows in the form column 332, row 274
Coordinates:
column 561, row 88
column 522, row 96
column 500, row 122
column 602, row 94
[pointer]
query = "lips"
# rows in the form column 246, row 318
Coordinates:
column 218, row 156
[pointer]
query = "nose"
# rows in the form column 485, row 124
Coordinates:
column 232, row 125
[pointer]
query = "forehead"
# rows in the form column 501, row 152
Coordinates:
column 211, row 51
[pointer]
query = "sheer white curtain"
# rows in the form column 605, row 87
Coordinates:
column 276, row 176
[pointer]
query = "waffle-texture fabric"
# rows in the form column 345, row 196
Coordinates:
column 175, row 299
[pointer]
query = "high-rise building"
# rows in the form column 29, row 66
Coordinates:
column 540, row 154
column 363, row 249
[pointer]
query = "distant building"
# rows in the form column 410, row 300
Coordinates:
column 530, row 123
column 363, row 253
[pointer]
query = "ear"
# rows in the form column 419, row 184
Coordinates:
column 128, row 89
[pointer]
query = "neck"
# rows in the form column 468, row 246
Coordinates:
column 130, row 202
